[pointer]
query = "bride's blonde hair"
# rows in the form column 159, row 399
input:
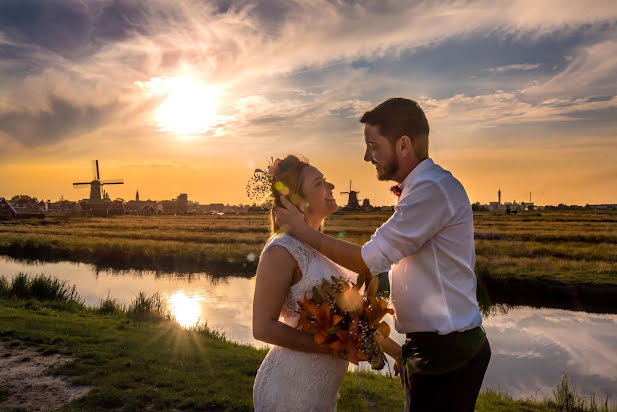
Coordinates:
column 287, row 181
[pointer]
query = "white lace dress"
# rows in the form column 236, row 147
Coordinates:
column 290, row 380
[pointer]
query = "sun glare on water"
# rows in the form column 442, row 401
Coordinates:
column 185, row 309
column 190, row 105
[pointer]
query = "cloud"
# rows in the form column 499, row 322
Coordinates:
column 513, row 67
column 61, row 121
column 503, row 108
column 588, row 84
column 90, row 54
column 592, row 70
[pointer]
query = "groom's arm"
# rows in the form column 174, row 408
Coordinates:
column 416, row 219
column 346, row 254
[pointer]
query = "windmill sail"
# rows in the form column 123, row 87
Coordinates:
column 113, row 182
column 95, row 170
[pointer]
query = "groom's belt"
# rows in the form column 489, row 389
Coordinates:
column 452, row 336
column 431, row 352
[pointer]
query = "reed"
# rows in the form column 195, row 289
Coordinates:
column 145, row 308
column 567, row 399
column 109, row 306
column 40, row 287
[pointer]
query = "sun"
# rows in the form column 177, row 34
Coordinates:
column 189, row 107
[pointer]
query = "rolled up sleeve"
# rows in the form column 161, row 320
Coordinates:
column 417, row 217
column 374, row 259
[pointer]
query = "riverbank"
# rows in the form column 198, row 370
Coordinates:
column 156, row 364
column 563, row 259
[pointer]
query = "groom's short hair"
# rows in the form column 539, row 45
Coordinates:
column 398, row 117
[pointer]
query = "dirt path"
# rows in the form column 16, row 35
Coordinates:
column 24, row 381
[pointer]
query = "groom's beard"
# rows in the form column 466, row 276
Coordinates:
column 389, row 169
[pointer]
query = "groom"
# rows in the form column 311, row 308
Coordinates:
column 428, row 247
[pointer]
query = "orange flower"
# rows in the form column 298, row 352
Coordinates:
column 308, row 314
column 346, row 320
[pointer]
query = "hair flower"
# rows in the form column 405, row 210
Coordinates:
column 259, row 187
column 273, row 167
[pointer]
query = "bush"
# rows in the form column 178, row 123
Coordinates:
column 20, row 286
column 109, row 306
column 144, row 308
column 4, row 287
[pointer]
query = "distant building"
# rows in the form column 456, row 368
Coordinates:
column 6, row 210
column 66, row 207
column 177, row 205
column 211, row 208
column 508, row 207
column 366, row 204
column 183, row 203
column 255, row 208
column 9, row 211
column 606, row 206
column 143, row 207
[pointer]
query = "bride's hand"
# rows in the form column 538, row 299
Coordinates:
column 289, row 217
column 398, row 371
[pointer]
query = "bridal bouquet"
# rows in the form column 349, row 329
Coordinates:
column 347, row 320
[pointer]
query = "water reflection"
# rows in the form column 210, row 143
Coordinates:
column 185, row 309
column 531, row 347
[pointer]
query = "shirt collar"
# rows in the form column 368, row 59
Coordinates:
column 422, row 167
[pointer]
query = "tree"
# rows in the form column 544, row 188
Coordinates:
column 477, row 207
column 23, row 200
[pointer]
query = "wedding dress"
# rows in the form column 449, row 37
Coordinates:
column 290, row 380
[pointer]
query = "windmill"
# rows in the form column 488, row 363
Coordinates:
column 352, row 202
column 99, row 202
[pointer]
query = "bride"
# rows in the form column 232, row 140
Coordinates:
column 297, row 374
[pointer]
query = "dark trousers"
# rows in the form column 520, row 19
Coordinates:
column 444, row 372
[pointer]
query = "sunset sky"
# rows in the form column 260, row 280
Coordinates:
column 191, row 96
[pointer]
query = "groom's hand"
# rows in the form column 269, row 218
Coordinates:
column 289, row 217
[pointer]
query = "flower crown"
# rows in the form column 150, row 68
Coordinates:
column 259, row 187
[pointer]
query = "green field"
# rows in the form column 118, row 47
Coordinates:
column 555, row 258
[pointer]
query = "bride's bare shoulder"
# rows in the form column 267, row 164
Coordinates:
column 277, row 252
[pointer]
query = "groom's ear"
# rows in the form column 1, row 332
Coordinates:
column 404, row 145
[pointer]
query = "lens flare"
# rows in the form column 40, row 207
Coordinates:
column 281, row 188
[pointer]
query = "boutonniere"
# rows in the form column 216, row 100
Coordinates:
column 396, row 189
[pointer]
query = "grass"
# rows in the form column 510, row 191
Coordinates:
column 40, row 287
column 532, row 252
column 154, row 364
column 109, row 306
column 148, row 308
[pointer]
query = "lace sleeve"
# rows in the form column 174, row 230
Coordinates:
column 294, row 247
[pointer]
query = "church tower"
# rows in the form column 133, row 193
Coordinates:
column 499, row 196
column 137, row 196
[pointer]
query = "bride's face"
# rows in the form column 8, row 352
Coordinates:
column 317, row 193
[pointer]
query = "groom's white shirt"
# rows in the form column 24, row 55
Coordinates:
column 427, row 245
